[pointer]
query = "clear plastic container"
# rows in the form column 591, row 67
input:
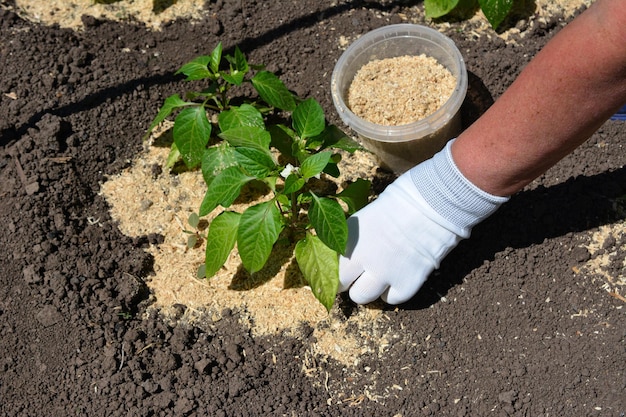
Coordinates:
column 401, row 147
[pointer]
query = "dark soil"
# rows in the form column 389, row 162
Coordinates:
column 513, row 324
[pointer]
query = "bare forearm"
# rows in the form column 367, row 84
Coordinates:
column 559, row 100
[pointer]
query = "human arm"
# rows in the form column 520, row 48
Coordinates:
column 567, row 91
column 572, row 86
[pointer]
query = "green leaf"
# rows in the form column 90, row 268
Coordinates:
column 244, row 115
column 356, row 195
column 216, row 58
column 329, row 221
column 270, row 181
column 172, row 157
column 234, row 77
column 332, row 169
column 220, row 241
column 196, row 69
column 192, row 130
column 259, row 229
column 308, row 118
column 438, row 8
column 238, row 68
column 320, row 266
column 314, row 164
column 283, row 201
column 193, row 220
column 496, row 10
column 247, row 137
column 224, row 189
column 256, row 162
column 315, row 142
column 273, row 91
column 333, row 137
column 216, row 159
column 206, row 94
column 238, row 61
column 171, row 103
column 201, row 273
column 282, row 139
column 293, row 183
column 304, row 198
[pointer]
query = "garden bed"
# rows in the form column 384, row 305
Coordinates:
column 525, row 319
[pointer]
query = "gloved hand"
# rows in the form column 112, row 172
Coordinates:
column 395, row 242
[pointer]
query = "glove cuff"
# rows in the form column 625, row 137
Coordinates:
column 451, row 195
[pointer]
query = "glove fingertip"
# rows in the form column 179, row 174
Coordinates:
column 367, row 289
column 349, row 271
column 343, row 287
column 394, row 296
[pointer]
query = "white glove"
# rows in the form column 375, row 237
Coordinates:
column 395, row 242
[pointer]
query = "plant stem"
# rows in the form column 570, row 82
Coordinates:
column 294, row 209
column 224, row 99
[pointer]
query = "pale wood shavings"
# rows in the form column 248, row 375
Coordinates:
column 400, row 90
column 277, row 303
column 68, row 13
column 601, row 258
